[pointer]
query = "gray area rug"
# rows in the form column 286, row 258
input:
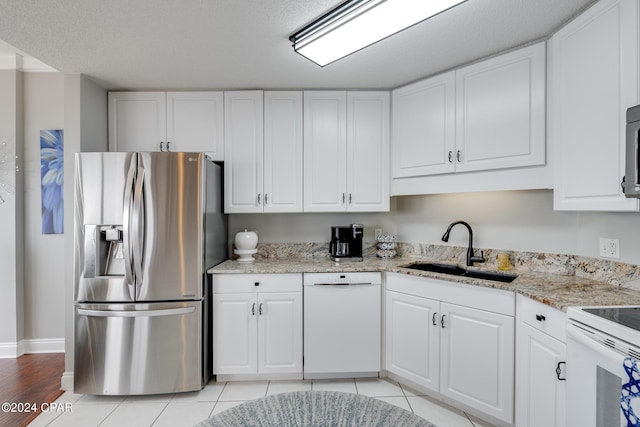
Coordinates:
column 315, row 408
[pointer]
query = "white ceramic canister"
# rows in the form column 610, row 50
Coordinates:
column 246, row 240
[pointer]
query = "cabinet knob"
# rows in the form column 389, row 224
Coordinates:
column 256, row 283
column 540, row 318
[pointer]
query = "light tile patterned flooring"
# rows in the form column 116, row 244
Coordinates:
column 187, row 409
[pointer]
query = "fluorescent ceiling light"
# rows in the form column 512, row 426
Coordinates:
column 356, row 24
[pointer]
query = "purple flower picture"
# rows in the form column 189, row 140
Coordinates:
column 52, row 180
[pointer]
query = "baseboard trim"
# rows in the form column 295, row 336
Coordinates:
column 11, row 350
column 51, row 345
column 66, row 382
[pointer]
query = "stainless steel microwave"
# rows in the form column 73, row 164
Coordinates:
column 631, row 180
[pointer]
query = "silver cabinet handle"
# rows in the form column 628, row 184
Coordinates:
column 259, row 199
column 253, row 309
column 458, row 155
column 433, row 319
column 260, row 309
column 450, row 156
column 442, row 321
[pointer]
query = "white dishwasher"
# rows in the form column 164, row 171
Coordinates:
column 341, row 325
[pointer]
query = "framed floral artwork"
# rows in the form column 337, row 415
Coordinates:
column 52, row 180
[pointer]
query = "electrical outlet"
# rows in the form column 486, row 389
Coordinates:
column 609, row 248
column 378, row 233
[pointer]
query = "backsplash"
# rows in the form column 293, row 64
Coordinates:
column 615, row 273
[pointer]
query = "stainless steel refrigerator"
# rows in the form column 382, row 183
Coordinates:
column 147, row 227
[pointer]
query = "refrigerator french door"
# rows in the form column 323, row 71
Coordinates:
column 147, row 226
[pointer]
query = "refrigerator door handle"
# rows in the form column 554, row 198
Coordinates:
column 138, row 228
column 126, row 227
column 136, row 313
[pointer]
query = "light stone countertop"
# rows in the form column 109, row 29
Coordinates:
column 552, row 289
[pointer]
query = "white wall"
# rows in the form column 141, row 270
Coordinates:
column 510, row 220
column 44, row 260
column 11, row 214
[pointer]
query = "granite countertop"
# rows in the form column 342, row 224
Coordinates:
column 552, row 289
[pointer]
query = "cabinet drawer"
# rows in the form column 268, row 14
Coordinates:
column 238, row 283
column 542, row 317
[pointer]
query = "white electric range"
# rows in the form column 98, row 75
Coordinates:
column 603, row 366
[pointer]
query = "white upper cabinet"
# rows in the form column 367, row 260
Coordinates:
column 488, row 115
column 166, row 121
column 263, row 162
column 346, row 151
column 194, row 122
column 325, row 151
column 500, row 111
column 367, row 151
column 243, row 140
column 282, row 151
column 593, row 77
column 424, row 127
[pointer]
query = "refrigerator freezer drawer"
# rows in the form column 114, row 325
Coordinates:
column 128, row 349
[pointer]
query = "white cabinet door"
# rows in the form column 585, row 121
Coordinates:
column 500, row 111
column 593, row 80
column 235, row 333
column 424, row 127
column 280, row 332
column 243, row 152
column 411, row 354
column 540, row 390
column 367, row 151
column 195, row 123
column 477, row 359
column 283, row 151
column 325, row 151
column 137, row 121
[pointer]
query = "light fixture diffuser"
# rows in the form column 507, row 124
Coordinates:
column 356, row 24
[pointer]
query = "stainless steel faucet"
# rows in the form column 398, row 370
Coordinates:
column 470, row 258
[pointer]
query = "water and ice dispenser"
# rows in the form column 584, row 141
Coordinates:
column 104, row 251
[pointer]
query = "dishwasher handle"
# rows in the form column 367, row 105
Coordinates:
column 343, row 284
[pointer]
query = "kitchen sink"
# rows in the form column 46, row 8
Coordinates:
column 456, row 270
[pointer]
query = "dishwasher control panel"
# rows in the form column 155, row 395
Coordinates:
column 342, row 278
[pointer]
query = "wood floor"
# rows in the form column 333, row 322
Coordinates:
column 31, row 379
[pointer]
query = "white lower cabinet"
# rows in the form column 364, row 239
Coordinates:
column 257, row 325
column 454, row 339
column 540, row 365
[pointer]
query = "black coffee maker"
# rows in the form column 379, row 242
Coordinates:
column 346, row 243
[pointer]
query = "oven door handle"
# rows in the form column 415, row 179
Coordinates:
column 580, row 336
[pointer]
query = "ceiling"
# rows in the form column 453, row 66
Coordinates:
column 243, row 44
